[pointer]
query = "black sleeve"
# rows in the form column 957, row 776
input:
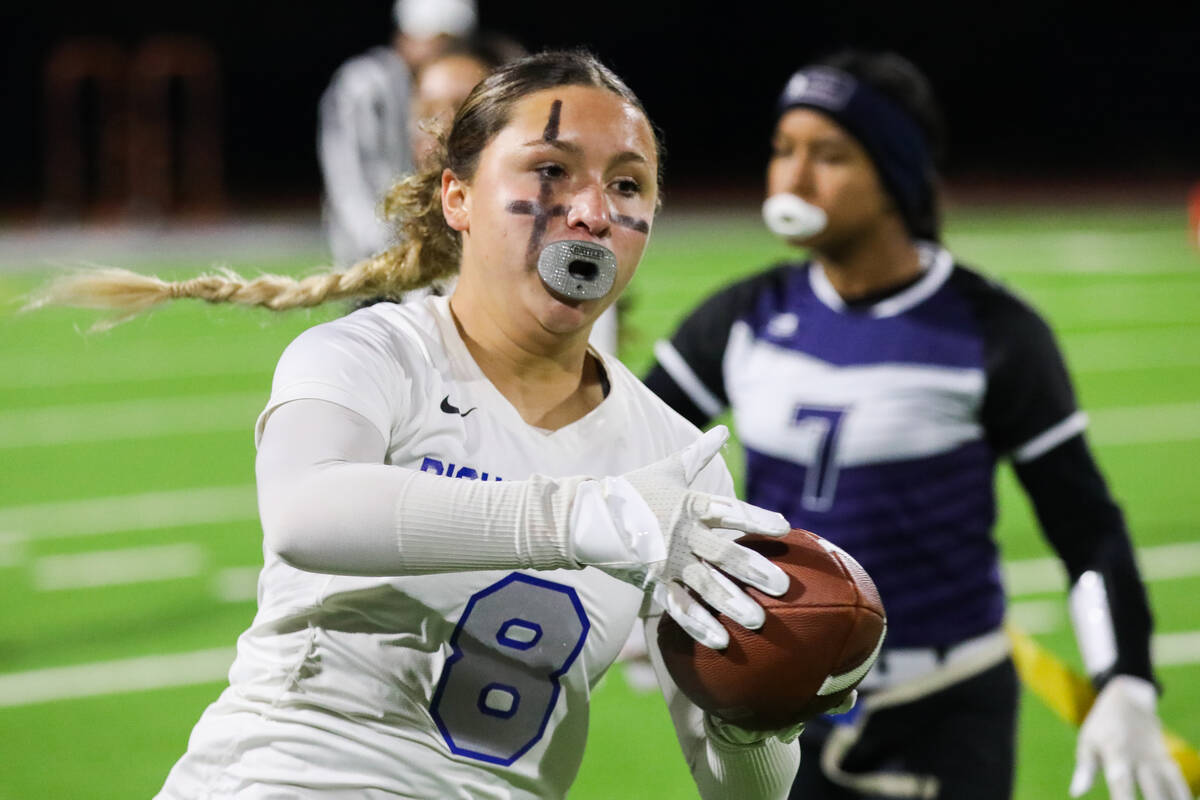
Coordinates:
column 1028, row 388
column 1029, row 393
column 700, row 342
column 662, row 384
column 1086, row 528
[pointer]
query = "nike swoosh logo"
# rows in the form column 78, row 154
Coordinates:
column 449, row 409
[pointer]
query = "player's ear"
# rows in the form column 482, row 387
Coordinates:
column 456, row 206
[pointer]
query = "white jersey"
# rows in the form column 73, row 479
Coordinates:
column 458, row 685
column 363, row 145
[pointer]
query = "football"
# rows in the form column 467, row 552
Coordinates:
column 819, row 640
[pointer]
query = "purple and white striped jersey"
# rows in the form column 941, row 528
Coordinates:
column 878, row 424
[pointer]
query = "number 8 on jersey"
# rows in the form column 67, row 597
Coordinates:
column 513, row 642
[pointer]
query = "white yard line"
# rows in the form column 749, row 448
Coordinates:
column 167, row 509
column 1173, row 649
column 133, row 368
column 57, row 246
column 98, row 361
column 1120, row 303
column 1165, row 422
column 1116, row 350
column 130, row 419
column 111, row 567
column 236, row 584
column 1168, row 561
column 1159, row 563
column 1080, row 251
column 14, row 549
column 112, row 677
column 1034, row 576
column 1038, row 616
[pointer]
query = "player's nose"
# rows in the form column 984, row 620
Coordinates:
column 794, row 174
column 589, row 210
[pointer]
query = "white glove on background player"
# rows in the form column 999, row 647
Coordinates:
column 1122, row 733
column 649, row 528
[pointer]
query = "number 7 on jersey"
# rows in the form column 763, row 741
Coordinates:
column 824, row 423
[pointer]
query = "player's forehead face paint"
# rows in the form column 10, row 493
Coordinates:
column 589, row 178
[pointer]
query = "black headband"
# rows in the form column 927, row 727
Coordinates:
column 890, row 135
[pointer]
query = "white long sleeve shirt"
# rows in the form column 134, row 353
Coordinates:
column 462, row 684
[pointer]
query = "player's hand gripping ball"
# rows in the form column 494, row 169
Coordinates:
column 820, row 639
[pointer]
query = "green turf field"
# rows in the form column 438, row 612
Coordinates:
column 128, row 534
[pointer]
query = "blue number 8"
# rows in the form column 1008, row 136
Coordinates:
column 513, row 642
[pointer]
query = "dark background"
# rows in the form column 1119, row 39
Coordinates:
column 1031, row 90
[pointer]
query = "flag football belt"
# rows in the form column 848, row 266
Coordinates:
column 910, row 674
column 922, row 668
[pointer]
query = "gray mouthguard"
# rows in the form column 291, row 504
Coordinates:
column 577, row 270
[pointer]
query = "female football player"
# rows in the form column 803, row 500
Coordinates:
column 427, row 626
column 440, row 86
column 875, row 385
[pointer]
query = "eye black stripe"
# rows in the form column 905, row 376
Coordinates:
column 551, row 131
column 633, row 223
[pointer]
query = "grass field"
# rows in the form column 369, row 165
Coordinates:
column 129, row 543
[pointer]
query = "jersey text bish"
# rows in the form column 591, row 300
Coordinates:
column 436, row 465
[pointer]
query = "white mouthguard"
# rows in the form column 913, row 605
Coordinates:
column 788, row 216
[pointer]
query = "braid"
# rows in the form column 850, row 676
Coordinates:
column 433, row 249
column 428, row 251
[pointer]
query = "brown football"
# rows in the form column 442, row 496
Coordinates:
column 818, row 642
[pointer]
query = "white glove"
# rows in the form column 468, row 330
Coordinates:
column 649, row 528
column 1122, row 733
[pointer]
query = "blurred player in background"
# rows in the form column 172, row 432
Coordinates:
column 444, row 81
column 364, row 123
column 427, row 624
column 874, row 387
column 440, row 86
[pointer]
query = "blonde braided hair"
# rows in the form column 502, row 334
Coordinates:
column 428, row 251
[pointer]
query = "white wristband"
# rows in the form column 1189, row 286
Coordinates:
column 614, row 529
